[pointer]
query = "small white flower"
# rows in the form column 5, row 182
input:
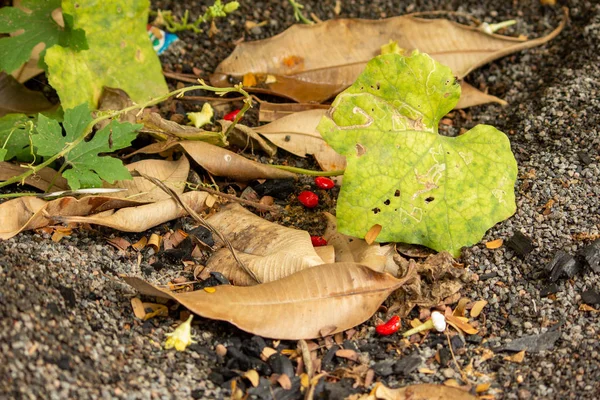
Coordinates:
column 439, row 321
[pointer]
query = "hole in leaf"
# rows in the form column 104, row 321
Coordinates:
column 360, row 150
column 375, row 210
column 397, row 193
column 387, row 202
column 429, row 199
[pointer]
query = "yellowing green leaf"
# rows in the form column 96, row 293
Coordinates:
column 421, row 187
column 88, row 169
column 119, row 56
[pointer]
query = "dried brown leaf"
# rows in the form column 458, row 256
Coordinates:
column 494, row 244
column 219, row 161
column 246, row 138
column 295, row 307
column 311, row 63
column 171, row 173
column 425, row 391
column 269, row 112
column 16, row 98
column 269, row 250
column 141, row 218
column 297, row 133
column 470, row 96
column 477, row 308
column 41, row 180
column 26, row 213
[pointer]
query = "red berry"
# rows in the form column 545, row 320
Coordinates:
column 324, row 183
column 389, row 327
column 308, row 199
column 231, row 116
column 318, row 241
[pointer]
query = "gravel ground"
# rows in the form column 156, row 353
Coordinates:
column 67, row 329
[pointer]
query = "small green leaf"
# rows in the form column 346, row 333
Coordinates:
column 421, row 187
column 15, row 138
column 38, row 27
column 88, row 168
column 120, row 54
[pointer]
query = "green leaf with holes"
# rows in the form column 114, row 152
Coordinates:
column 421, row 187
column 120, row 54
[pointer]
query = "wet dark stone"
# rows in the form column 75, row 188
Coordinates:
column 280, row 364
column 328, row 362
column 590, row 297
column 68, row 295
column 457, row 342
column 197, row 394
column 53, row 308
column 340, row 390
column 488, row 275
column 584, row 158
column 533, row 343
column 550, row 289
column 277, row 188
column 590, row 255
column 64, row 363
column 219, row 277
column 520, row 244
column 384, row 368
column 474, row 339
column 445, row 356
column 563, row 265
column 407, row 364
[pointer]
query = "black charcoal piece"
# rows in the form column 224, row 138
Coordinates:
column 534, row 343
column 407, row 364
column 262, row 390
column 328, row 361
column 590, row 297
column 520, row 244
column 548, row 290
column 445, row 357
column 278, row 188
column 384, row 368
column 563, row 265
column 293, row 393
column 281, row 365
column 203, row 235
column 590, row 255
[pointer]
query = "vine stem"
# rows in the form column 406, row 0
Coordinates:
column 178, row 93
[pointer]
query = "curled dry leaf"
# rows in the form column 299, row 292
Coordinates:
column 297, row 133
column 470, row 97
column 269, row 250
column 269, row 112
column 143, row 217
column 41, row 180
column 27, row 213
column 350, row 249
column 311, row 63
column 171, row 173
column 425, row 391
column 219, row 161
column 299, row 306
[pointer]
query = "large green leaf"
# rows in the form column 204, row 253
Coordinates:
column 88, row 168
column 421, row 187
column 119, row 56
column 15, row 137
column 36, row 26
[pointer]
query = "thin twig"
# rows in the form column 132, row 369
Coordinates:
column 200, row 220
column 258, row 206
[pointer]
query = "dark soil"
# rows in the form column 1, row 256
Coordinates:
column 67, row 329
